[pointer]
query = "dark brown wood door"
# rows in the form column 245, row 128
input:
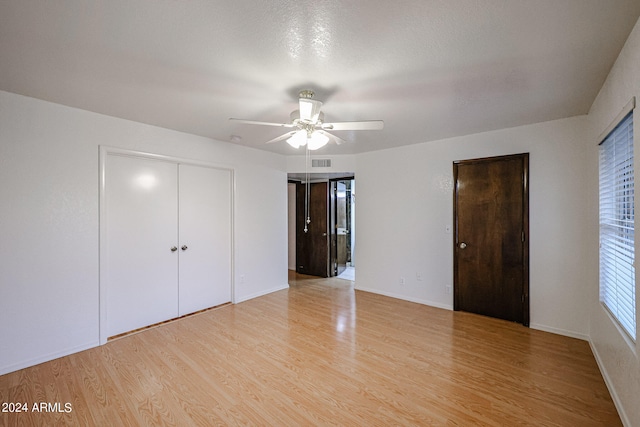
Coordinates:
column 312, row 247
column 491, row 255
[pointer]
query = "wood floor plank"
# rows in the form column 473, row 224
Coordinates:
column 321, row 353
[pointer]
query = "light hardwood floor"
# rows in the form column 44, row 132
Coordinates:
column 321, row 353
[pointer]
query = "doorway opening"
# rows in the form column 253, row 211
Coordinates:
column 324, row 246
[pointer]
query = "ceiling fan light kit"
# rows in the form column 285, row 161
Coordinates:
column 313, row 141
column 298, row 139
column 317, row 140
column 312, row 130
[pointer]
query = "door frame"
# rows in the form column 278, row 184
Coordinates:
column 525, row 227
column 104, row 151
column 333, row 227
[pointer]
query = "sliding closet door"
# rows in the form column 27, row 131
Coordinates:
column 141, row 231
column 205, row 238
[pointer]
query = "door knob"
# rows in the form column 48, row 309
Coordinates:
column 462, row 245
column 184, row 247
column 173, row 248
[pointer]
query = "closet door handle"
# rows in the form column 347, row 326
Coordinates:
column 173, row 248
column 184, row 247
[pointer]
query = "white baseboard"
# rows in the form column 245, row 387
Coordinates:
column 46, row 357
column 609, row 384
column 405, row 298
column 558, row 331
column 261, row 293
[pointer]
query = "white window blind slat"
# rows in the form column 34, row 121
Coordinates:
column 617, row 222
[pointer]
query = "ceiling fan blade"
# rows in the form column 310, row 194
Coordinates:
column 281, row 137
column 365, row 125
column 332, row 137
column 253, row 122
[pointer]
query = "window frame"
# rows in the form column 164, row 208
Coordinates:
column 616, row 204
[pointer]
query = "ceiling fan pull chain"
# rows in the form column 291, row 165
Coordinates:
column 307, row 190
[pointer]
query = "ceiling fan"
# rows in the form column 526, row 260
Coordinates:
column 310, row 129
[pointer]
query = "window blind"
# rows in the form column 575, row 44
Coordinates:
column 617, row 270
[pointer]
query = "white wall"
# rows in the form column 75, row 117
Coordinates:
column 404, row 213
column 617, row 356
column 49, row 220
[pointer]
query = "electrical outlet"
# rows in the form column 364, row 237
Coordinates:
column 401, row 281
column 418, row 277
column 449, row 289
column 242, row 279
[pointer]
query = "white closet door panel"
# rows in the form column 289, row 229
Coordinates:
column 205, row 231
column 142, row 218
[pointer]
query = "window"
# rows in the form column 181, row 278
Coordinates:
column 617, row 270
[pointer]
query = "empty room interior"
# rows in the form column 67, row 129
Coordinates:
column 318, row 213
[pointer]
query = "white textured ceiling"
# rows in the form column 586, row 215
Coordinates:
column 430, row 69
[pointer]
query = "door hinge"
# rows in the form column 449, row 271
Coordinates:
column 522, row 236
column 522, row 298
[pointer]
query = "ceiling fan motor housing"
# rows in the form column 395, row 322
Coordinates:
column 309, row 109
